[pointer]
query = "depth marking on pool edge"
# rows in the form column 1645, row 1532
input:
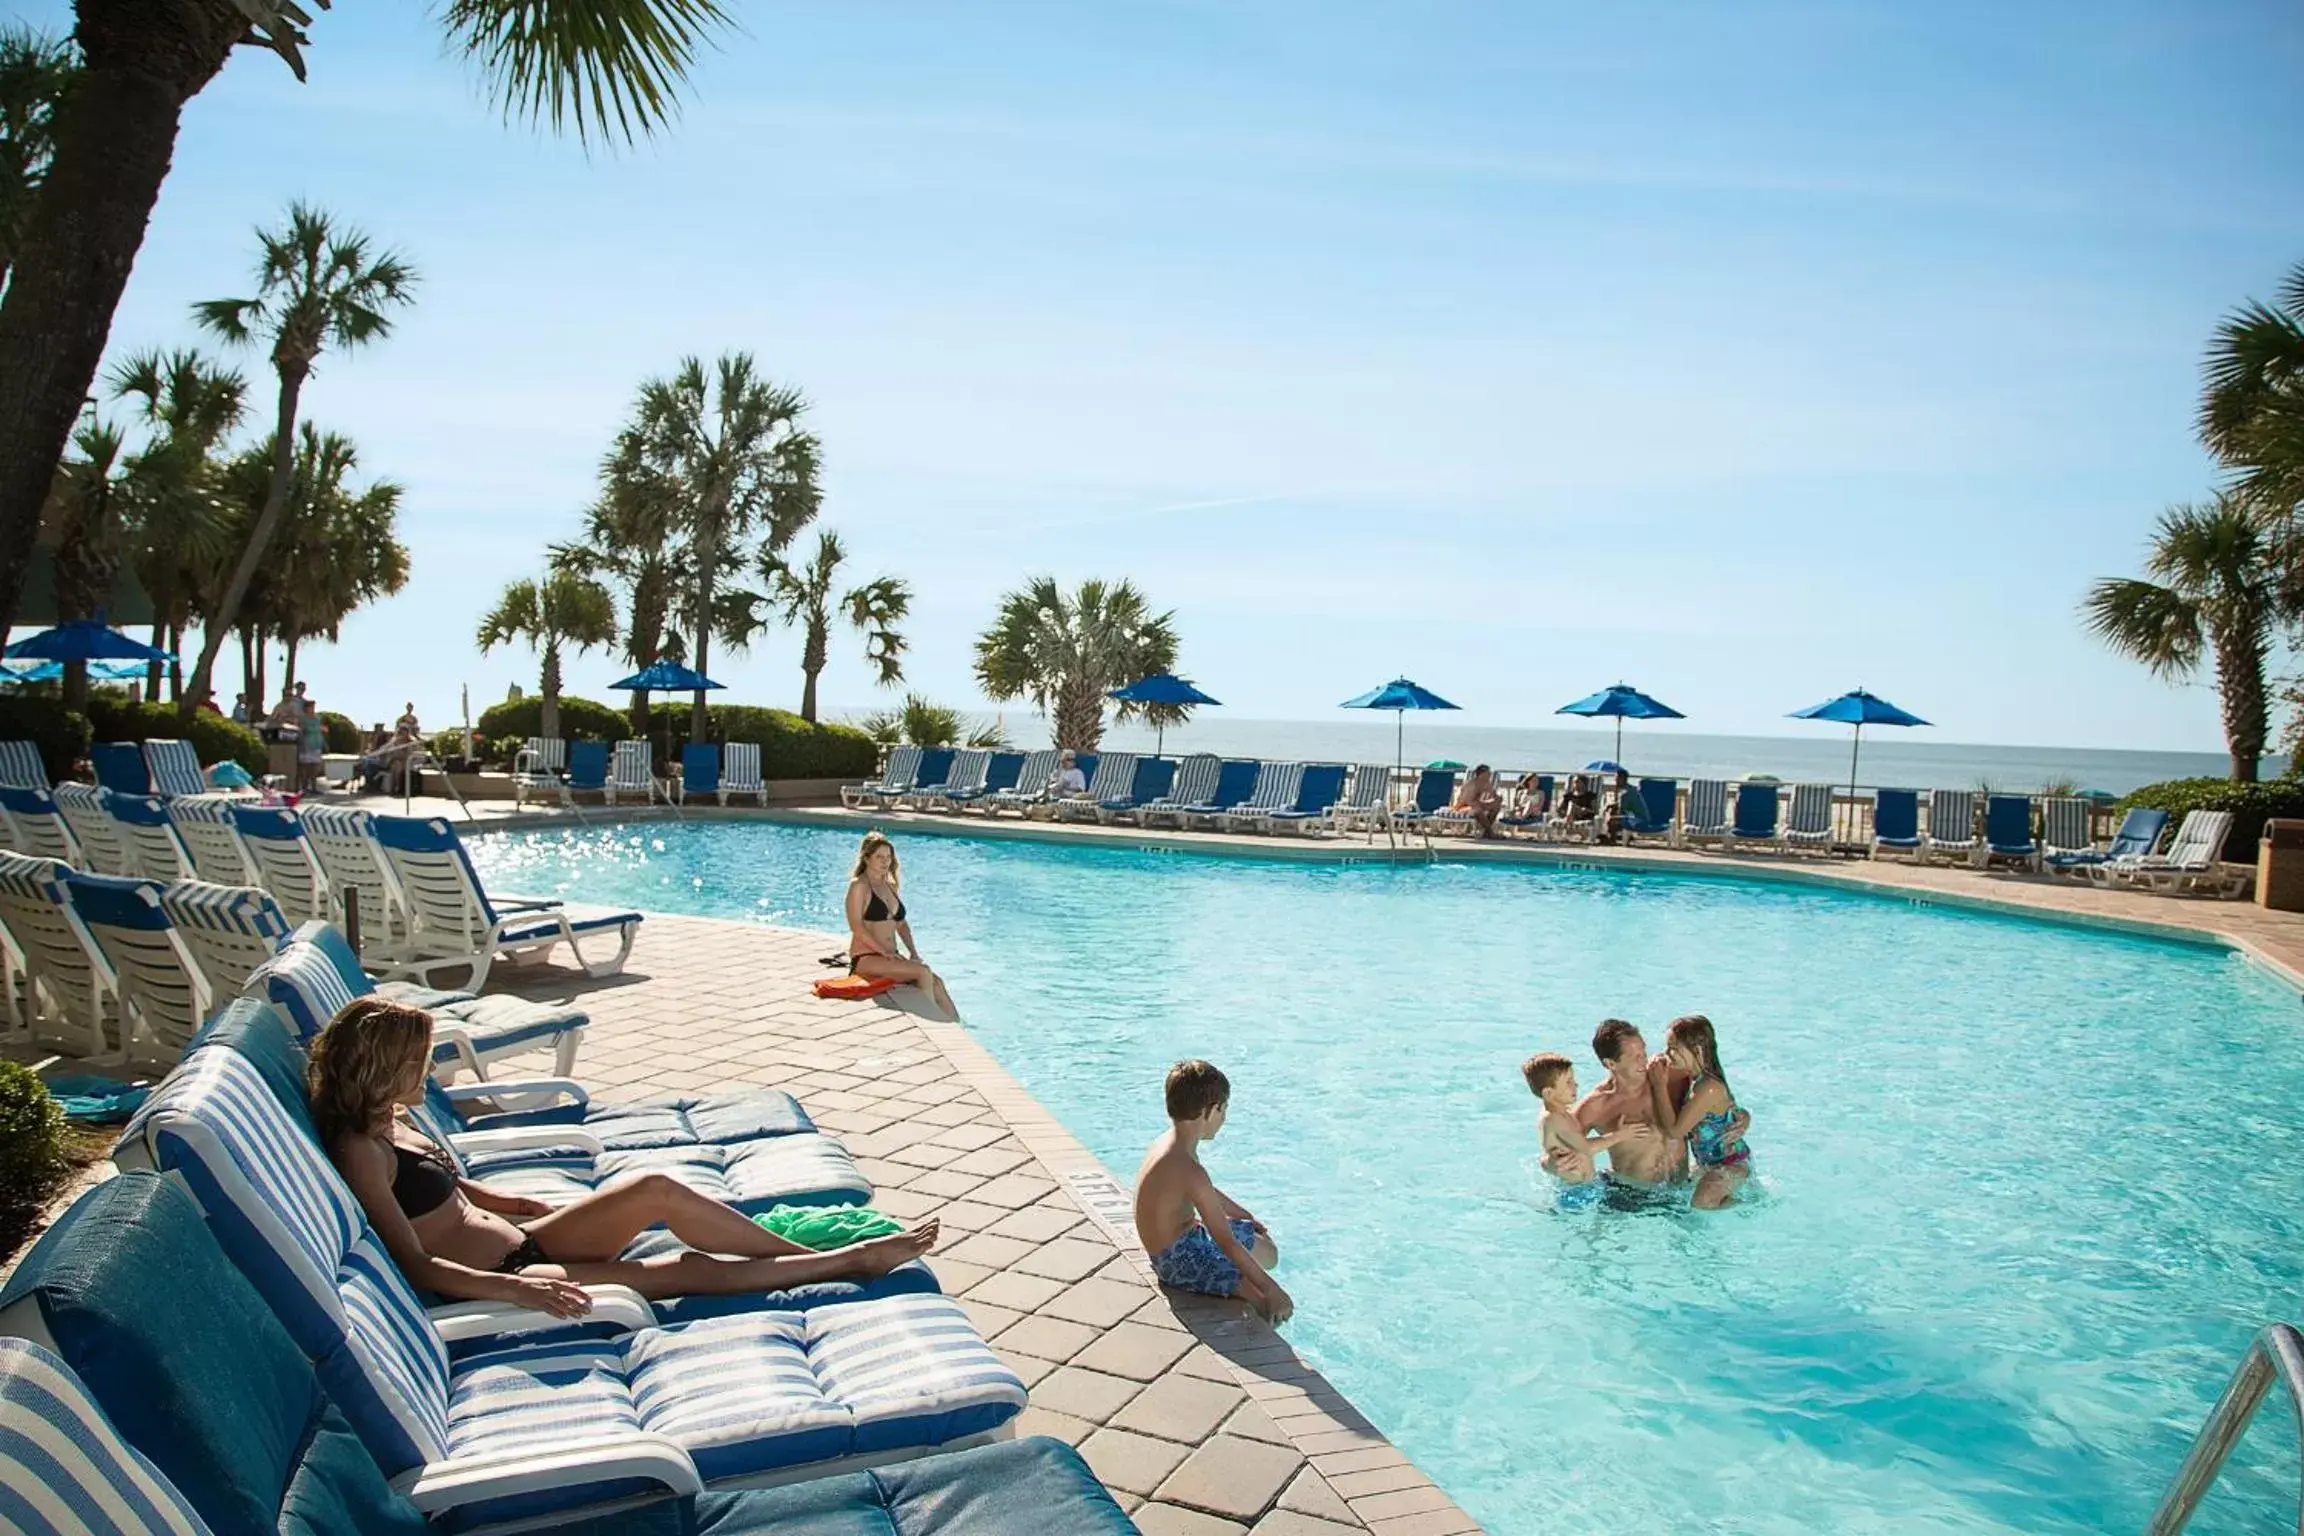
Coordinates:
column 1107, row 1205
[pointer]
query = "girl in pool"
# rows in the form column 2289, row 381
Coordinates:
column 880, row 941
column 458, row 1237
column 1707, row 1117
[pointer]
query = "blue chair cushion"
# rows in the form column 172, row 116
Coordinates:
column 672, row 1120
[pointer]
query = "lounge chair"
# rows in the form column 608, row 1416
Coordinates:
column 36, row 828
column 103, row 850
column 73, row 999
column 1533, row 825
column 230, row 931
column 453, row 923
column 632, row 774
column 1755, row 819
column 1435, row 792
column 1151, row 783
column 205, row 827
column 164, row 994
column 1030, row 788
column 343, row 841
column 963, row 780
column 285, row 864
column 174, row 767
column 895, row 779
column 1367, row 800
column 1317, row 791
column 21, row 766
column 928, row 778
column 1235, row 782
column 740, row 773
column 1001, row 771
column 1651, row 810
column 2189, row 867
column 1808, row 824
column 699, row 770
column 1896, row 823
column 1115, row 771
column 2138, row 834
column 540, row 768
column 1194, row 781
column 2065, row 823
column 1275, row 790
column 587, row 771
column 120, row 766
column 1951, row 825
column 2008, row 831
column 1707, row 817
column 155, row 852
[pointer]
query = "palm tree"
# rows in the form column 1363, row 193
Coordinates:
column 804, row 597
column 1064, row 652
column 2223, row 586
column 187, row 405
column 2252, row 411
column 316, row 288
column 90, row 496
column 628, row 540
column 34, row 71
column 563, row 609
column 606, row 68
column 734, row 458
column 337, row 551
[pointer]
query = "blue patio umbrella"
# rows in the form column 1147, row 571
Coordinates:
column 1160, row 688
column 1621, row 702
column 98, row 671
column 1859, row 709
column 84, row 640
column 1399, row 695
column 666, row 677
column 1605, row 765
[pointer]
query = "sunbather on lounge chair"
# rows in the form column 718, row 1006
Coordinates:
column 1481, row 800
column 460, row 1238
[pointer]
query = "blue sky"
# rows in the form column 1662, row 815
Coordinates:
column 1748, row 352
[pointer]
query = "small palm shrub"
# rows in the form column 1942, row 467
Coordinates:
column 32, row 1165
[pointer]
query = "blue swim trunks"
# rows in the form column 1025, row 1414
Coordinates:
column 1582, row 1197
column 1194, row 1263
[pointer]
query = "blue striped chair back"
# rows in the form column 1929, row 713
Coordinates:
column 1033, row 774
column 1369, row 787
column 155, row 852
column 1811, row 813
column 1707, row 807
column 740, row 768
column 310, row 978
column 173, row 766
column 2064, row 824
column 633, row 768
column 120, row 765
column 343, row 840
column 61, row 958
column 273, row 837
column 699, row 769
column 968, row 768
column 1275, row 787
column 1195, row 779
column 1952, row 817
column 205, row 826
column 903, row 768
column 21, row 766
column 1114, row 772
column 64, row 1468
column 103, row 850
column 447, row 906
column 164, row 995
column 228, row 930
column 2200, row 839
column 38, row 829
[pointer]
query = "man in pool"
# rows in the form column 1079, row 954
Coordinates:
column 1636, row 1097
column 1200, row 1240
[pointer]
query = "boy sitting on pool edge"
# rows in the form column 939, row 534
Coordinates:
column 1199, row 1239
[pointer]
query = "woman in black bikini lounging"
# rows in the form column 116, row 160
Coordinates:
column 880, row 941
column 458, row 1237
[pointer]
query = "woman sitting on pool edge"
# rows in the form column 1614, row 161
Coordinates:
column 457, row 1237
column 880, row 941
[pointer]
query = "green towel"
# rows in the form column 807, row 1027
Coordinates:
column 828, row 1226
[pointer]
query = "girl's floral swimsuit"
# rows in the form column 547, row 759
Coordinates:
column 1709, row 1145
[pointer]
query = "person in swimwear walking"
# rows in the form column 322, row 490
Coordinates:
column 1199, row 1239
column 1708, row 1119
column 880, row 941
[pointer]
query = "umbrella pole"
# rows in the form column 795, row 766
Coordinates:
column 1855, row 747
column 1619, row 741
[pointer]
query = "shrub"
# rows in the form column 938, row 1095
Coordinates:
column 342, row 734
column 213, row 737
column 790, row 748
column 32, row 1165
column 505, row 727
column 2251, row 805
column 61, row 734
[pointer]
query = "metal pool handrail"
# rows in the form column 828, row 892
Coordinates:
column 2279, row 1348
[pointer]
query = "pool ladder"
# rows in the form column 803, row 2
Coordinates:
column 2278, row 1349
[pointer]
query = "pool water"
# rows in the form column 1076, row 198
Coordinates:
column 2023, row 1192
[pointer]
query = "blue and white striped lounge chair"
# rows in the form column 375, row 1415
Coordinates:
column 699, row 770
column 1275, row 791
column 740, row 773
column 36, row 828
column 1755, row 820
column 1808, row 824
column 274, row 839
column 1896, row 823
column 205, row 827
column 103, row 849
column 155, row 852
column 2065, row 822
column 934, row 767
column 964, row 779
column 632, row 774
column 1235, row 782
column 174, row 767
column 1001, row 771
column 1114, row 772
column 1707, row 817
column 895, row 779
column 768, row 1389
column 453, row 923
column 64, row 1468
column 2008, row 831
column 228, row 930
column 164, row 995
column 1951, row 825
column 540, row 768
column 1367, row 800
column 1435, row 792
column 1030, row 788
column 1151, row 782
column 1318, row 789
column 1651, row 810
column 21, row 766
column 1195, row 781
column 120, row 766
column 587, row 771
column 2189, row 867
column 2138, row 834
column 73, row 997
column 343, row 841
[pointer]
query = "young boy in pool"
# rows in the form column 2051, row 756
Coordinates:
column 1198, row 1238
column 1567, row 1150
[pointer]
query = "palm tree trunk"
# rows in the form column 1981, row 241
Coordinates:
column 808, row 698
column 114, row 134
column 548, row 718
column 76, row 686
column 288, row 677
column 815, row 650
column 259, row 539
column 1079, row 715
column 2240, row 683
column 251, row 681
column 175, row 658
column 696, row 718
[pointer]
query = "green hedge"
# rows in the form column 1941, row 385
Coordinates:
column 61, row 734
column 790, row 748
column 342, row 734
column 504, row 727
column 32, row 1165
column 213, row 737
column 2251, row 806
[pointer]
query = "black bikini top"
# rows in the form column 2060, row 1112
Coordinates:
column 421, row 1181
column 876, row 910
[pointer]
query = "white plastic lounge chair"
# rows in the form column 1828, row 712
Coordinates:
column 2137, row 835
column 1809, row 822
column 174, row 767
column 1195, row 781
column 1000, row 773
column 454, row 924
column 928, row 776
column 2188, row 867
column 1951, row 826
column 1367, row 800
column 21, row 766
column 1707, row 817
column 103, row 850
column 343, row 840
column 273, row 837
column 1151, row 781
column 36, row 827
column 155, row 852
column 1318, row 788
column 740, row 772
column 2065, row 823
column 1115, row 771
column 1275, row 790
column 540, row 768
column 961, row 782
column 632, row 773
column 894, row 780
column 205, row 827
column 74, row 997
column 228, row 930
column 1031, row 787
column 164, row 994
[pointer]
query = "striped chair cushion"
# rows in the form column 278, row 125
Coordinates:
column 21, row 766
column 911, row 1369
column 174, row 766
column 1707, row 805
column 806, row 1169
column 1032, row 776
column 740, row 766
column 83, row 810
column 62, row 1465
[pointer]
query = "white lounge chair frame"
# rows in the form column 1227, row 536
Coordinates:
column 1951, row 830
column 1274, row 790
column 204, row 825
column 1115, row 772
column 1031, row 785
column 541, row 767
column 632, row 772
column 2189, row 867
column 1808, row 821
column 740, row 772
column 103, row 851
column 70, row 987
column 343, row 840
column 1709, row 815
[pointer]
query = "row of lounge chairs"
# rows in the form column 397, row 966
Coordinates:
column 548, row 767
column 1231, row 795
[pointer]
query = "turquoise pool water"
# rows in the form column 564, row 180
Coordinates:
column 2025, row 1190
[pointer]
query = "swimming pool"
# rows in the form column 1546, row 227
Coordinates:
column 2025, row 1190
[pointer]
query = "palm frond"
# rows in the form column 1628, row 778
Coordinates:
column 609, row 68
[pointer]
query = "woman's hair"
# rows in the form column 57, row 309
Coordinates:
column 872, row 840
column 361, row 1062
column 1695, row 1032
